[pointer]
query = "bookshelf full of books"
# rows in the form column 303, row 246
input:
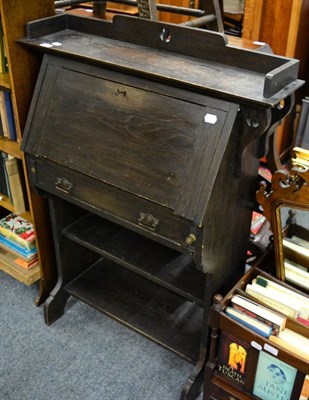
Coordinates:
column 259, row 341
column 21, row 211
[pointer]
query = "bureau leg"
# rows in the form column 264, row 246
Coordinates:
column 54, row 306
column 193, row 387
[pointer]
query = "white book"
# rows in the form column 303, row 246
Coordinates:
column 259, row 310
column 295, row 274
column 296, row 247
column 295, row 339
column 286, row 295
column 271, row 298
column 251, row 323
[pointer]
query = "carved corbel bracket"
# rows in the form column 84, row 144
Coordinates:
column 256, row 122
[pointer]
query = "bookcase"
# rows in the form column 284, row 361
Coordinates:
column 17, row 81
column 219, row 384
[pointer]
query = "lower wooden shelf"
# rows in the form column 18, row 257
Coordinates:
column 175, row 271
column 26, row 276
column 162, row 316
column 6, row 203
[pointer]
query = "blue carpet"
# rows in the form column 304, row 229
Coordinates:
column 82, row 356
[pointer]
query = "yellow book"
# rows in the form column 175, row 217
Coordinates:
column 288, row 346
column 4, row 116
column 284, row 295
column 272, row 300
column 15, row 185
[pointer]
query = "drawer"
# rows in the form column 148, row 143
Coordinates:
column 119, row 206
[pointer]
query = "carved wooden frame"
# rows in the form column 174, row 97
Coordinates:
column 288, row 188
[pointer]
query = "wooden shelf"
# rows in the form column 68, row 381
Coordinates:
column 9, row 146
column 5, row 202
column 218, row 384
column 258, row 76
column 20, row 81
column 26, row 276
column 164, row 266
column 5, row 81
column 141, row 305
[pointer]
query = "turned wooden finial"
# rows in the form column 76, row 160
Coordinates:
column 218, row 300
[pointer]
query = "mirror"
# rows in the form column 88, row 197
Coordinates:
column 286, row 206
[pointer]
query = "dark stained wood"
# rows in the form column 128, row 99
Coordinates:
column 155, row 312
column 216, row 384
column 224, row 64
column 149, row 161
column 121, row 207
column 283, row 26
column 177, row 272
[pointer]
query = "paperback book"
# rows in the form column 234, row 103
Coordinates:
column 293, row 341
column 10, row 115
column 279, row 298
column 285, row 295
column 17, row 261
column 14, row 248
column 257, row 326
column 274, row 379
column 257, row 311
column 232, row 357
column 12, row 165
column 19, row 230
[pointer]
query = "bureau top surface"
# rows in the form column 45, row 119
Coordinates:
column 190, row 57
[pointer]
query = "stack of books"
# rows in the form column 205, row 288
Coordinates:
column 17, row 241
column 267, row 311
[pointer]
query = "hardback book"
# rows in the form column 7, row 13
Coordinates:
column 4, row 116
column 295, row 339
column 256, row 222
column 15, row 184
column 19, row 251
column 265, row 173
column 255, row 310
column 273, row 300
column 2, row 52
column 274, row 379
column 15, row 260
column 296, row 273
column 297, row 246
column 232, row 357
column 257, row 326
column 10, row 115
column 26, row 264
column 4, row 183
column 293, row 348
column 303, row 321
column 285, row 294
column 19, row 230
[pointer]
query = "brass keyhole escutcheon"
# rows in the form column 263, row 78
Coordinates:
column 190, row 239
column 122, row 93
column 165, row 35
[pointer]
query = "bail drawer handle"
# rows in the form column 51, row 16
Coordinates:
column 63, row 185
column 148, row 221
